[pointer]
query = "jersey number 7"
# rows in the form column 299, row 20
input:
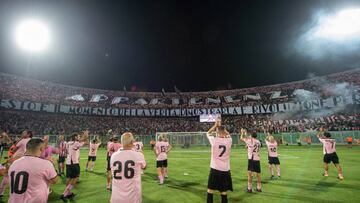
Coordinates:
column 223, row 147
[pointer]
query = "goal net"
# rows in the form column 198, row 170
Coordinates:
column 185, row 139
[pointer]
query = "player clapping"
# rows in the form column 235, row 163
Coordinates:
column 72, row 162
column 253, row 148
column 329, row 153
column 272, row 155
column 161, row 149
column 93, row 147
column 126, row 166
column 220, row 176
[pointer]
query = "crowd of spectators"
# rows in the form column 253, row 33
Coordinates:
column 48, row 123
column 24, row 89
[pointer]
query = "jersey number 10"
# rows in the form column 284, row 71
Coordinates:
column 15, row 181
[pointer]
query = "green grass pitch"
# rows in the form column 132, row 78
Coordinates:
column 301, row 179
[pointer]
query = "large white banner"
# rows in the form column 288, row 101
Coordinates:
column 307, row 105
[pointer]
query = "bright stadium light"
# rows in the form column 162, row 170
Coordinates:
column 344, row 25
column 32, row 35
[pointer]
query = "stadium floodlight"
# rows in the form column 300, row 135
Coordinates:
column 343, row 25
column 32, row 35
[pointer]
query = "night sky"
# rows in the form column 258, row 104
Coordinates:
column 195, row 45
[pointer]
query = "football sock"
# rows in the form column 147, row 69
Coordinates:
column 249, row 186
column 224, row 199
column 68, row 190
column 209, row 198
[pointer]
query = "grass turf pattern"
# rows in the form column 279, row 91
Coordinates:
column 301, row 177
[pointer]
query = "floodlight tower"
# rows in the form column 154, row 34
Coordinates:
column 32, row 36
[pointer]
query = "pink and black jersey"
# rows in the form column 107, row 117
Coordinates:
column 21, row 147
column 272, row 148
column 29, row 180
column 161, row 148
column 73, row 149
column 328, row 145
column 253, row 147
column 126, row 168
column 220, row 152
column 93, row 148
column 113, row 147
column 138, row 146
column 62, row 148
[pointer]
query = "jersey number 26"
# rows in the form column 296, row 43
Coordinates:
column 129, row 171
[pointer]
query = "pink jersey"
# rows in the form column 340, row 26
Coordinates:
column 253, row 146
column 113, row 147
column 108, row 147
column 62, row 148
column 93, row 149
column 21, row 147
column 220, row 152
column 29, row 180
column 328, row 145
column 272, row 148
column 126, row 168
column 138, row 146
column 47, row 153
column 73, row 149
column 161, row 148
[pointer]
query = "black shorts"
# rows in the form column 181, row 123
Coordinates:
column 254, row 166
column 91, row 158
column 108, row 168
column 333, row 157
column 274, row 160
column 349, row 142
column 61, row 159
column 160, row 164
column 220, row 180
column 73, row 171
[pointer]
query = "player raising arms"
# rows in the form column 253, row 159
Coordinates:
column 126, row 166
column 49, row 150
column 253, row 147
column 21, row 144
column 113, row 146
column 161, row 150
column 93, row 147
column 220, row 176
column 329, row 152
column 31, row 175
column 72, row 162
column 272, row 155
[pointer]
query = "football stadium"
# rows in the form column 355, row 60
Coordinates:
column 179, row 101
